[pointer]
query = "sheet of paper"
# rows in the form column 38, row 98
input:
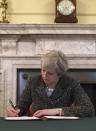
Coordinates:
column 21, row 118
column 43, row 118
column 62, row 117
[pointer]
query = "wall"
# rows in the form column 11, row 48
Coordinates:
column 43, row 11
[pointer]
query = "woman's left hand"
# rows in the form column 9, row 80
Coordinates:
column 47, row 112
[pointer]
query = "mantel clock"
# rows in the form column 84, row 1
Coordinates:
column 66, row 11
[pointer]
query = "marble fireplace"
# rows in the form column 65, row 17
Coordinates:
column 22, row 45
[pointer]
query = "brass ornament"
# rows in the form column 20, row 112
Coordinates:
column 4, row 7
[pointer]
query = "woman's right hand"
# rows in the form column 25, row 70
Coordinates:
column 12, row 112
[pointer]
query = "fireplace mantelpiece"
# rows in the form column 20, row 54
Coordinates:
column 22, row 45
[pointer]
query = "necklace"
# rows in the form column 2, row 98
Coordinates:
column 50, row 89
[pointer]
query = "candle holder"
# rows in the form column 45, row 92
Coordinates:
column 4, row 7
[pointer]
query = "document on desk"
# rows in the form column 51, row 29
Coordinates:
column 21, row 118
column 42, row 118
column 62, row 117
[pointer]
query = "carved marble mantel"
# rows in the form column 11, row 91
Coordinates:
column 21, row 46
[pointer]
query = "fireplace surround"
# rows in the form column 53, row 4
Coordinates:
column 22, row 45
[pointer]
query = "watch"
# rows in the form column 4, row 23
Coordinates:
column 66, row 11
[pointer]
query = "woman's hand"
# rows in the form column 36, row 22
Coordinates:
column 47, row 112
column 12, row 112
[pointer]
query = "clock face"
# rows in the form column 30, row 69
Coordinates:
column 66, row 7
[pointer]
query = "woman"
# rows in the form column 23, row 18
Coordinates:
column 53, row 92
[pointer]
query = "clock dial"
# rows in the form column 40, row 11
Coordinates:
column 65, row 7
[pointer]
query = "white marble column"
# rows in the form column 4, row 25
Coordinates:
column 2, row 93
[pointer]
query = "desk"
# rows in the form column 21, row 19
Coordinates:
column 86, row 124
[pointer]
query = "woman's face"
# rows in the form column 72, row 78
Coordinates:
column 49, row 75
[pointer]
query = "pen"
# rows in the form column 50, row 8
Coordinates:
column 14, row 107
column 11, row 103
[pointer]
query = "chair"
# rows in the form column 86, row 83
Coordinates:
column 31, row 108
